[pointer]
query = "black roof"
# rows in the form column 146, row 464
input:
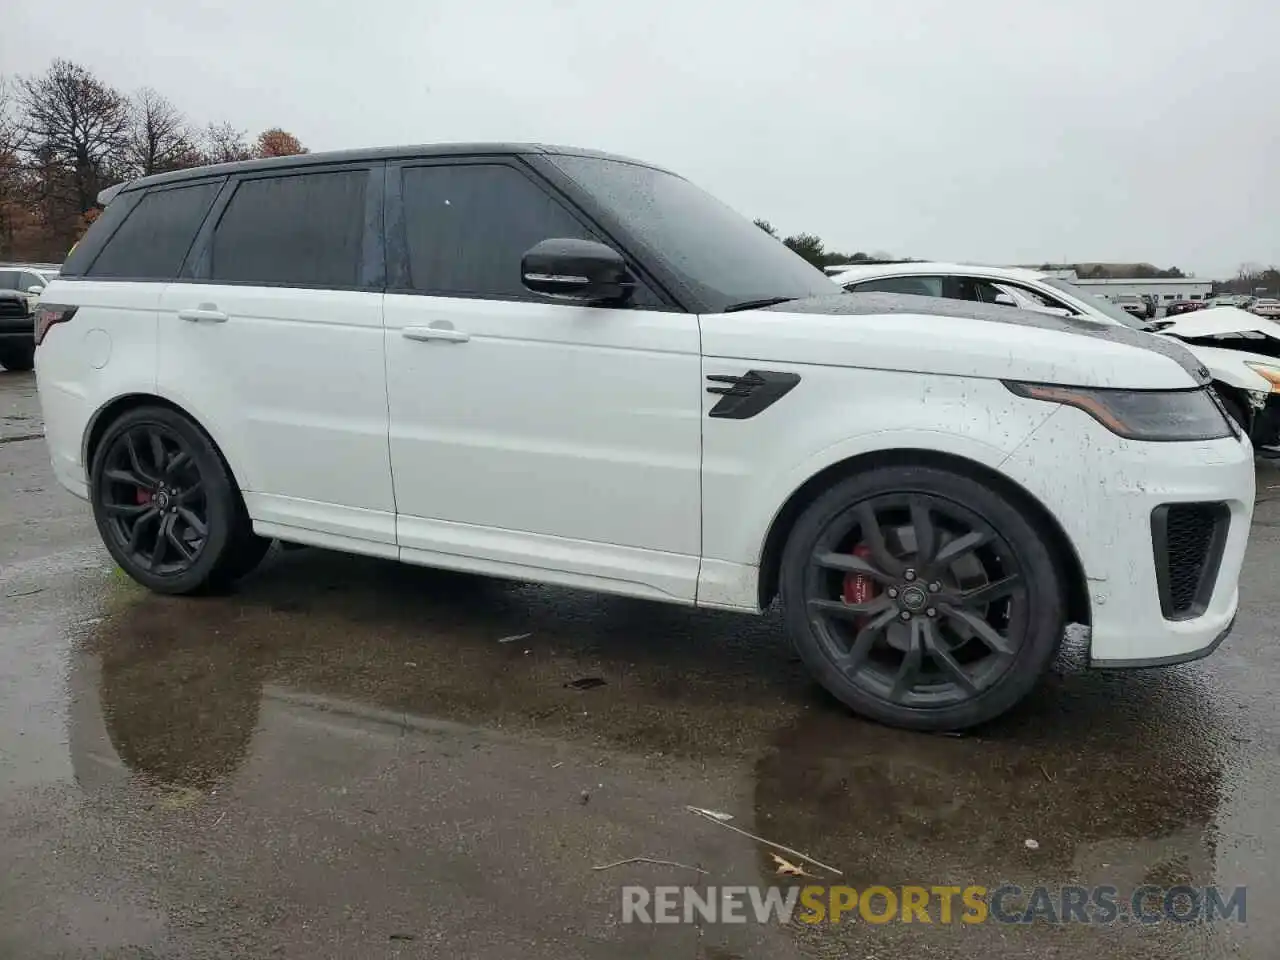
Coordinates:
column 356, row 156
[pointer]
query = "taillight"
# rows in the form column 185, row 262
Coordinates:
column 48, row 314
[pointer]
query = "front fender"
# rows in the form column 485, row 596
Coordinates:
column 752, row 467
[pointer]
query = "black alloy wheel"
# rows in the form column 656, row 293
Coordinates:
column 948, row 603
column 167, row 506
column 154, row 499
column 919, row 601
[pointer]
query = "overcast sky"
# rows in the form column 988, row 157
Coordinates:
column 991, row 130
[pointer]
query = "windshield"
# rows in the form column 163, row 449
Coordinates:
column 1105, row 307
column 720, row 255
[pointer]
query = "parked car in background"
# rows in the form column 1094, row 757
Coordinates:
column 28, row 281
column 577, row 369
column 1240, row 351
column 17, row 343
column 1131, row 304
column 1239, row 301
column 1266, row 307
column 1183, row 306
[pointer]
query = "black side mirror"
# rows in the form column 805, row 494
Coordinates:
column 580, row 271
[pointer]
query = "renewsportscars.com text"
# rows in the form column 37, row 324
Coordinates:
column 973, row 904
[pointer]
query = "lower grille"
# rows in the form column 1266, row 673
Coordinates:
column 10, row 309
column 1188, row 539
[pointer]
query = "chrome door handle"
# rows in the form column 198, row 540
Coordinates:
column 433, row 332
column 205, row 313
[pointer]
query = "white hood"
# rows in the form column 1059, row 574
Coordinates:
column 952, row 338
column 1217, row 321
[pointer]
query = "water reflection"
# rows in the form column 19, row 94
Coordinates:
column 1096, row 762
column 181, row 679
column 1118, row 777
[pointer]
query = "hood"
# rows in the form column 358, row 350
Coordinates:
column 952, row 338
column 1217, row 321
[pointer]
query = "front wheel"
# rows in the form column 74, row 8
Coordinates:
column 167, row 507
column 922, row 598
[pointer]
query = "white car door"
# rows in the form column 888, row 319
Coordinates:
column 274, row 341
column 525, row 433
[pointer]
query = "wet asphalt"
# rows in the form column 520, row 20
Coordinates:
column 353, row 758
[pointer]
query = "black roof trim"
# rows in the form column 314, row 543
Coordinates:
column 356, row 156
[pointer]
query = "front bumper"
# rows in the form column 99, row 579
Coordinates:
column 1104, row 492
column 1169, row 661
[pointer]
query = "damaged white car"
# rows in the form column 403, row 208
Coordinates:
column 1242, row 353
column 1240, row 350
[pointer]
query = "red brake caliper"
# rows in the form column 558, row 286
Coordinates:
column 142, row 496
column 858, row 587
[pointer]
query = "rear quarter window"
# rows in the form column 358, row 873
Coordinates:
column 299, row 230
column 156, row 234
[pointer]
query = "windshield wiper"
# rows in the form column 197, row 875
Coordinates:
column 757, row 304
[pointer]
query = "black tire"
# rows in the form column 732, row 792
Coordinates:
column 977, row 646
column 243, row 555
column 18, row 359
column 170, row 515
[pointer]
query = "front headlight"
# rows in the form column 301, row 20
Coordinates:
column 1267, row 372
column 1157, row 415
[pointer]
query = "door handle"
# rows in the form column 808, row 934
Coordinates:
column 443, row 333
column 205, row 313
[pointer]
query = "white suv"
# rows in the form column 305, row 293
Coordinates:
column 561, row 366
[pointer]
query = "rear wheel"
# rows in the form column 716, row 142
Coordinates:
column 921, row 597
column 167, row 507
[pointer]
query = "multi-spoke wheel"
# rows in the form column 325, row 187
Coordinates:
column 166, row 506
column 921, row 597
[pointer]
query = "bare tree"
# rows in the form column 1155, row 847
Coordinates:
column 70, row 119
column 9, row 134
column 159, row 139
column 223, row 143
column 10, row 169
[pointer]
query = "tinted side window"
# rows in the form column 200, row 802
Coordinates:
column 304, row 229
column 8, row 279
column 468, row 226
column 920, row 286
column 153, row 240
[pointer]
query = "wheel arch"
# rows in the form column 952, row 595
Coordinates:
column 109, row 412
column 1064, row 551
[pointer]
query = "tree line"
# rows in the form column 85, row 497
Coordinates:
column 65, row 135
column 812, row 248
column 1252, row 279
